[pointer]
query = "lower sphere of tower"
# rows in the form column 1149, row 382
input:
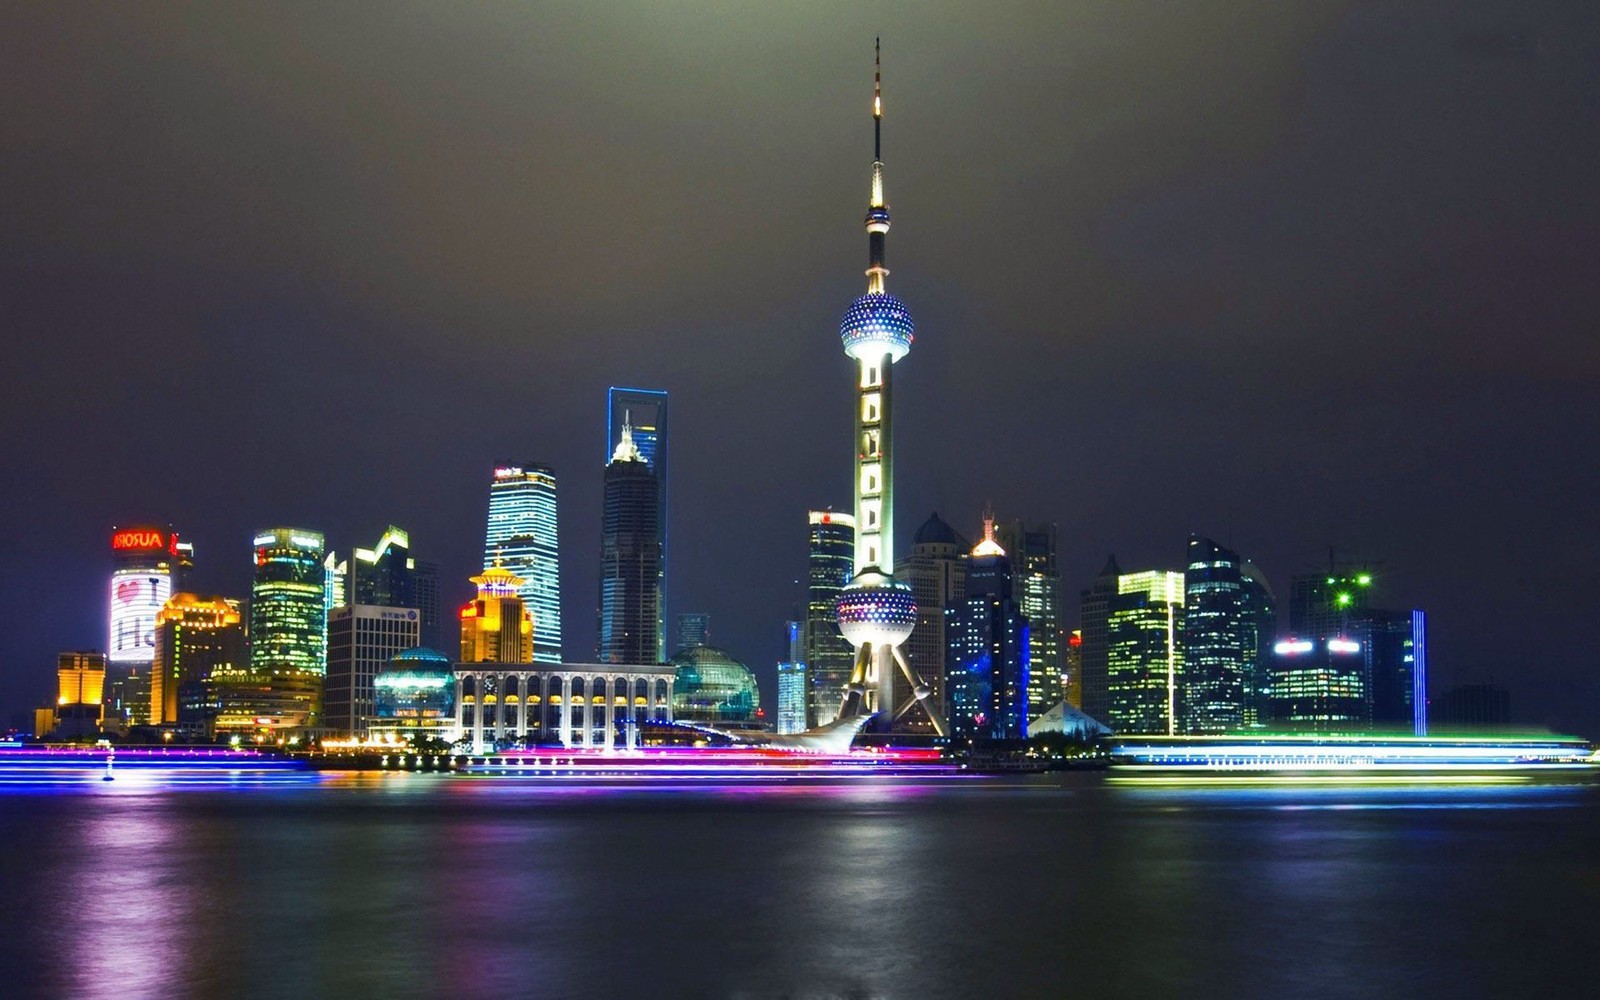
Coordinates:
column 876, row 609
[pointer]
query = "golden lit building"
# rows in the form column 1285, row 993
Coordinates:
column 265, row 702
column 195, row 636
column 80, row 693
column 496, row 627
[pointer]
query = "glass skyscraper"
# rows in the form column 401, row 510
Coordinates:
column 936, row 572
column 792, row 681
column 644, row 412
column 1036, row 580
column 1226, row 607
column 1094, row 613
column 830, row 563
column 522, row 539
column 288, row 613
column 630, row 560
column 986, row 676
column 1144, row 653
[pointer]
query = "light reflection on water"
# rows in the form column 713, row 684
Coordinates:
column 402, row 885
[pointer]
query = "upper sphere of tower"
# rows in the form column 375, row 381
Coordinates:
column 876, row 324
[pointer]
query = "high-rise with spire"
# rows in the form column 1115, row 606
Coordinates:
column 876, row 612
column 630, row 558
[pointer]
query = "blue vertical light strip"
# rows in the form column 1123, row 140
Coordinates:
column 647, row 410
column 1419, row 673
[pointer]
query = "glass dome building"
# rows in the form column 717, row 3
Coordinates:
column 416, row 692
column 712, row 687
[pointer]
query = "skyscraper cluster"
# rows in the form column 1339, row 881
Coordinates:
column 1200, row 650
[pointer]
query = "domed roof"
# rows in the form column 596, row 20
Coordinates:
column 936, row 531
column 420, row 656
column 876, row 324
column 712, row 686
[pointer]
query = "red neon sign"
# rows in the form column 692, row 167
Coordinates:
column 139, row 539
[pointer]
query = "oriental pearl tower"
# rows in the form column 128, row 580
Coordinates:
column 876, row 612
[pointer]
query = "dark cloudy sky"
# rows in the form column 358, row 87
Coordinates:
column 1290, row 274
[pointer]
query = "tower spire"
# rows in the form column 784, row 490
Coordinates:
column 877, row 208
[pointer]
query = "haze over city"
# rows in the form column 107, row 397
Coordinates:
column 1291, row 276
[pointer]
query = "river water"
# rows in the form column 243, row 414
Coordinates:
column 412, row 885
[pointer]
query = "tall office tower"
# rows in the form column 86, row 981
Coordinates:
column 630, row 559
column 1072, row 679
column 694, row 629
column 792, row 682
column 830, row 562
column 522, row 539
column 986, row 671
column 1346, row 665
column 1037, row 580
column 1219, row 642
column 877, row 613
column 288, row 613
column 195, row 637
column 425, row 580
column 147, row 564
column 1261, row 613
column 644, row 413
column 496, row 627
column 362, row 639
column 1093, row 615
column 1144, row 653
column 936, row 572
column 80, row 693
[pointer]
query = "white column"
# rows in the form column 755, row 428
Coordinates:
column 566, row 710
column 461, row 709
column 611, row 711
column 477, row 711
column 522, row 706
column 669, row 698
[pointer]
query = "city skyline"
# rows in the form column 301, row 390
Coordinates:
column 1170, row 271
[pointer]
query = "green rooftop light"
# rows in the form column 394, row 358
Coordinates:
column 1365, row 579
column 1344, row 600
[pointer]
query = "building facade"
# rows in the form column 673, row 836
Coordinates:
column 1036, row 579
column 936, row 572
column 1144, row 653
column 1227, row 636
column 986, row 671
column 522, row 537
column 644, row 413
column 80, row 694
column 1094, row 614
column 147, row 565
column 195, row 637
column 569, row 705
column 496, row 627
column 288, row 602
column 694, row 629
column 630, row 560
column 362, row 639
column 830, row 562
column 791, row 715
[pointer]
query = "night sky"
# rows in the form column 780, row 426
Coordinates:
column 1291, row 275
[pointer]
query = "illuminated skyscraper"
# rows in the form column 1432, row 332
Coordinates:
column 1346, row 666
column 792, row 682
column 288, row 611
column 522, row 539
column 987, row 662
column 644, row 413
column 830, row 562
column 1219, row 641
column 362, row 638
column 630, row 560
column 148, row 562
column 1037, row 581
column 936, row 572
column 386, row 576
column 195, row 637
column 496, row 626
column 1144, row 653
column 876, row 612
